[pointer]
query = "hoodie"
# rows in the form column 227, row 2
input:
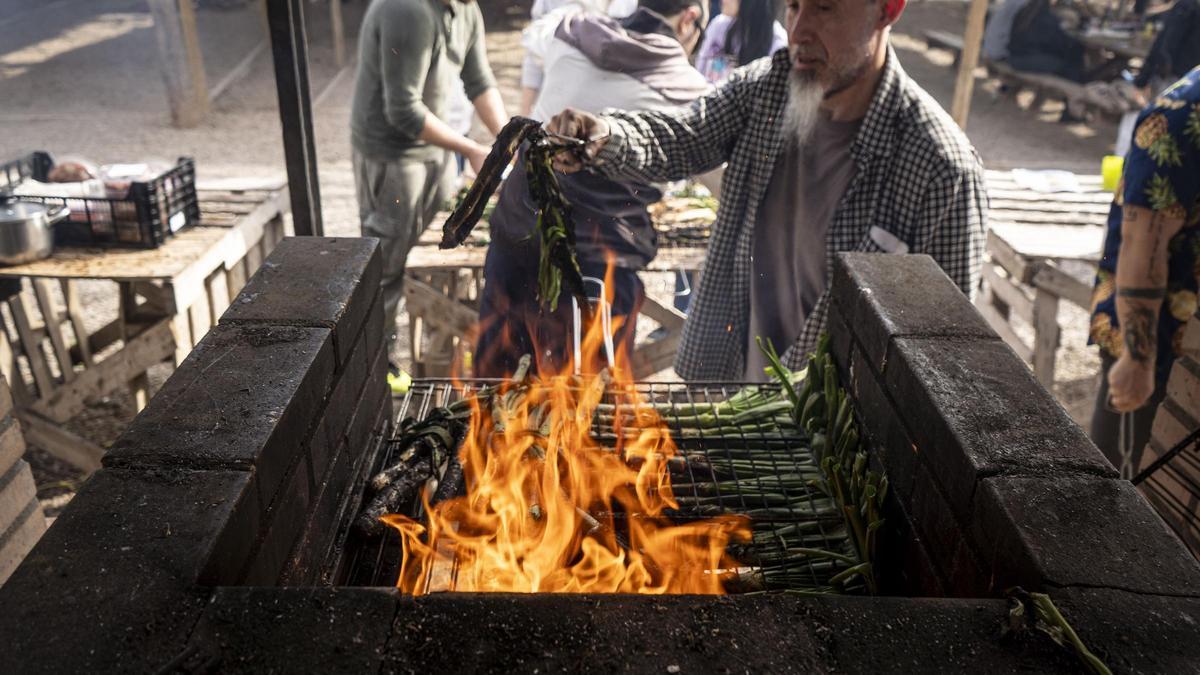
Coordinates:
column 592, row 63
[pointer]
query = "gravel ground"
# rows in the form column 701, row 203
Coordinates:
column 80, row 77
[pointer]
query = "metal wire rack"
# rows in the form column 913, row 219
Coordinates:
column 1172, row 485
column 781, row 520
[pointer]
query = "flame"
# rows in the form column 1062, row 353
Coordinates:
column 549, row 508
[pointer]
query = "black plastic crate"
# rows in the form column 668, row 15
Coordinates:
column 150, row 212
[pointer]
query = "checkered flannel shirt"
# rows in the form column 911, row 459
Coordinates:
column 917, row 177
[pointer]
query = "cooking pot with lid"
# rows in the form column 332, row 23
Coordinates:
column 27, row 230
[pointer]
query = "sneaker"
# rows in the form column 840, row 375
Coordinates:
column 398, row 380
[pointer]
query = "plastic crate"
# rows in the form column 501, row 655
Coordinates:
column 150, row 212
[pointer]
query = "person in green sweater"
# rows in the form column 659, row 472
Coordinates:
column 411, row 54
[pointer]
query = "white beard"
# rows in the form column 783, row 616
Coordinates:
column 804, row 100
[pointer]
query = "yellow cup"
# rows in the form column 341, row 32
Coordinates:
column 1110, row 171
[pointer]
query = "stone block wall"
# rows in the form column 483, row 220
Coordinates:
column 21, row 519
column 993, row 484
column 234, row 475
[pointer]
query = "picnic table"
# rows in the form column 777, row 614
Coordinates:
column 1042, row 247
column 168, row 298
column 442, row 291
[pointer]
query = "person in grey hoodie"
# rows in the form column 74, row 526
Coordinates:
column 590, row 62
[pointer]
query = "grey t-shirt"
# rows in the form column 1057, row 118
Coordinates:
column 788, row 258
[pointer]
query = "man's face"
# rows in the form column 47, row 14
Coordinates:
column 831, row 42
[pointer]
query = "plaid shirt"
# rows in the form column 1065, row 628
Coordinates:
column 917, row 177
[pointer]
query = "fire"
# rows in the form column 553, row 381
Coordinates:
column 551, row 509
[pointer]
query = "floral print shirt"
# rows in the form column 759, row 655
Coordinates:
column 1162, row 173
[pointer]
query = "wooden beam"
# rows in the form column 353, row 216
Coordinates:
column 182, row 63
column 656, row 356
column 53, row 323
column 339, row 32
column 1003, row 328
column 667, row 317
column 440, row 309
column 1009, row 293
column 964, row 85
column 1045, row 336
column 1050, row 278
column 150, row 347
column 74, row 450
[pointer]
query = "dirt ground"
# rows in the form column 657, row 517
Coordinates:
column 81, row 77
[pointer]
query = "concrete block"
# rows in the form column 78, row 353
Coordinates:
column 6, row 400
column 17, row 489
column 294, row 630
column 12, row 443
column 1134, row 633
column 1069, row 531
column 882, row 297
column 246, row 397
column 112, row 584
column 316, row 282
column 284, row 523
column 982, row 413
column 885, row 429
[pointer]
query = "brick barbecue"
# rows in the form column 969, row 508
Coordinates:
column 215, row 537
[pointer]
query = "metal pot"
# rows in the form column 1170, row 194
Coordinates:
column 27, row 230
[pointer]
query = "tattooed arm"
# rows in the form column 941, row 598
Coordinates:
column 1141, row 289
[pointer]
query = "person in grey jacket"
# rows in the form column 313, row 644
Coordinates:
column 411, row 54
column 591, row 61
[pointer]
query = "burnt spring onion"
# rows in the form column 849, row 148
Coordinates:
column 558, row 268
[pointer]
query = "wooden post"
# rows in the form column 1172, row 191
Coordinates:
column 964, row 86
column 1046, row 335
column 339, row 32
column 182, row 64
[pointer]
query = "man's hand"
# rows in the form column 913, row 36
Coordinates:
column 476, row 156
column 584, row 126
column 1130, row 383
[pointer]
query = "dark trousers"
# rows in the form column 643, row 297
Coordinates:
column 1106, row 423
column 513, row 323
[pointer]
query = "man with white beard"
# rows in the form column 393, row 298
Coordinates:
column 830, row 147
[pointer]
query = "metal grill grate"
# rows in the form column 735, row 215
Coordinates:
column 782, row 520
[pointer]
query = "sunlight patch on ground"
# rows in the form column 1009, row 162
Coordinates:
column 104, row 27
column 905, row 42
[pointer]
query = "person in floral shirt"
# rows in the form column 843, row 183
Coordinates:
column 1147, row 281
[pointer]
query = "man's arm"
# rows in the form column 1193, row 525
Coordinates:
column 1141, row 287
column 490, row 108
column 478, row 80
column 407, row 47
column 658, row 146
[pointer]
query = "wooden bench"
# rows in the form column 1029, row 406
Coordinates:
column 1041, row 248
column 940, row 39
column 1052, row 87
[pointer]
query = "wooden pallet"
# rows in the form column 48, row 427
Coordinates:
column 169, row 297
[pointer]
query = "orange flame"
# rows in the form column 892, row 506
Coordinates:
column 549, row 508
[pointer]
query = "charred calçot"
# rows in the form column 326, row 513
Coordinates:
column 424, row 446
column 558, row 267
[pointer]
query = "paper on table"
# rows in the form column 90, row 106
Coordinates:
column 1046, row 180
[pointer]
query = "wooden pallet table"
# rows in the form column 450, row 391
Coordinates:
column 442, row 291
column 168, row 299
column 1041, row 248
